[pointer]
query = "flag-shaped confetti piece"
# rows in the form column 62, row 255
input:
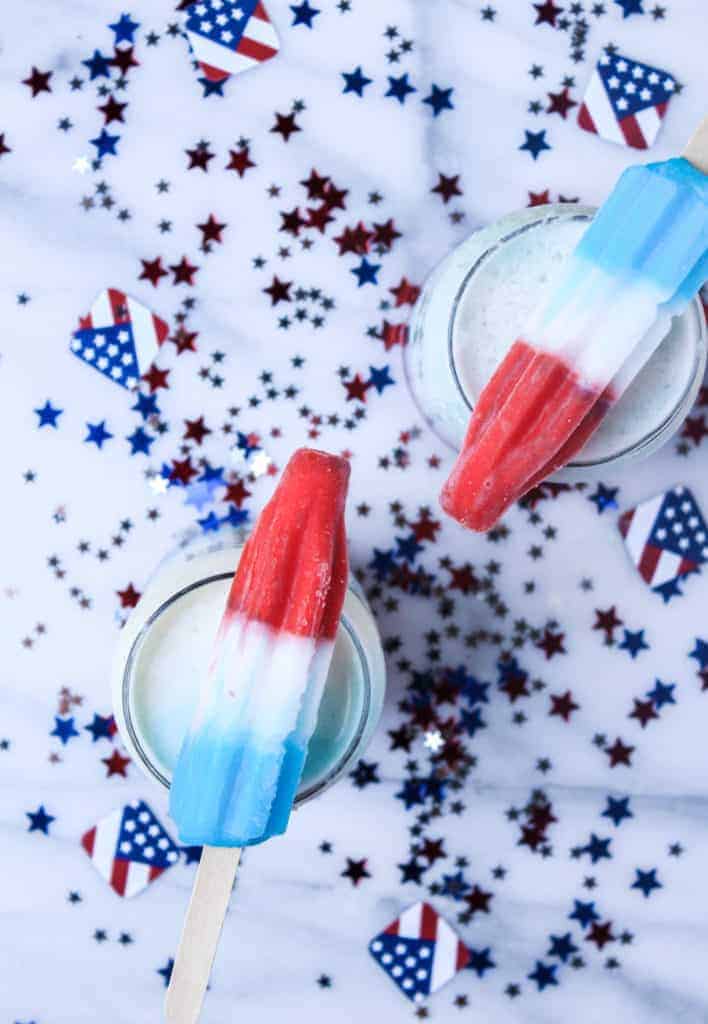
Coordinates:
column 229, row 36
column 626, row 101
column 666, row 538
column 119, row 337
column 130, row 848
column 419, row 951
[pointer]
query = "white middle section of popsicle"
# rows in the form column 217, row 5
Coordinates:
column 596, row 321
column 260, row 680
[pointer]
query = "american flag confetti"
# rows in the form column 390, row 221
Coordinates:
column 419, row 951
column 119, row 337
column 667, row 539
column 626, row 101
column 130, row 848
column 229, row 36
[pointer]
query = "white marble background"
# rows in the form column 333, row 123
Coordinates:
column 294, row 916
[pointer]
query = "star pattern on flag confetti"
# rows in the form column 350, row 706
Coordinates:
column 419, row 951
column 667, row 540
column 130, row 848
column 626, row 100
column 119, row 337
column 228, row 37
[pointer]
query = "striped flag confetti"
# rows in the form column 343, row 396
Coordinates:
column 229, row 36
column 626, row 101
column 667, row 539
column 419, row 951
column 130, row 848
column 119, row 337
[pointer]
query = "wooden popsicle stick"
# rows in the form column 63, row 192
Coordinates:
column 200, row 934
column 696, row 152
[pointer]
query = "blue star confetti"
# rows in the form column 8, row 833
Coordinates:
column 439, row 99
column 97, row 434
column 534, row 143
column 64, row 729
column 646, row 882
column 48, row 415
column 98, row 66
column 140, row 442
column 124, row 29
column 400, row 88
column 366, row 273
column 304, row 13
column 105, row 144
column 604, row 498
column 544, row 975
column 634, row 643
column 617, row 810
column 102, row 727
column 630, row 7
column 40, row 820
column 355, row 81
column 166, row 971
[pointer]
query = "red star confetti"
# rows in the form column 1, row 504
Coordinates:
column 38, row 81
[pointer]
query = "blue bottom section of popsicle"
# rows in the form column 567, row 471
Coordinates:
column 654, row 224
column 250, row 792
column 648, row 241
column 690, row 286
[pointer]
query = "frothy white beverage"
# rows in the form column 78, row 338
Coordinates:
column 170, row 666
column 495, row 308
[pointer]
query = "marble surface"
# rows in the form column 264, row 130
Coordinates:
column 295, row 916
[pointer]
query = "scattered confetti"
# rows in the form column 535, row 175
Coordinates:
column 419, row 951
column 130, row 848
column 626, row 101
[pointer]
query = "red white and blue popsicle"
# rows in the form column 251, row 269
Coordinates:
column 241, row 762
column 640, row 262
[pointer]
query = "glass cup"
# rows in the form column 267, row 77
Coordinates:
column 166, row 644
column 463, row 298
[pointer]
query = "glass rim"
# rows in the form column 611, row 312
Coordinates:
column 566, row 211
column 129, row 675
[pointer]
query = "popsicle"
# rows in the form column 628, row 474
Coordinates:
column 640, row 260
column 240, row 764
column 626, row 374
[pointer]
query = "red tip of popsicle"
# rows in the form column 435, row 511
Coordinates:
column 528, row 425
column 293, row 571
